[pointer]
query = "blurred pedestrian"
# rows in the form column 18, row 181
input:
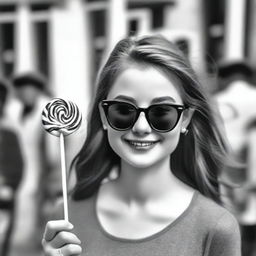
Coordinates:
column 11, row 168
column 237, row 102
column 40, row 184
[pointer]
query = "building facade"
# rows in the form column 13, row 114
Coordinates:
column 66, row 39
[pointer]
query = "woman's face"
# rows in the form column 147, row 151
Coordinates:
column 141, row 146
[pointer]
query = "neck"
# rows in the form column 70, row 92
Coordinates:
column 144, row 184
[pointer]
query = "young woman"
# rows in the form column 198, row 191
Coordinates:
column 152, row 122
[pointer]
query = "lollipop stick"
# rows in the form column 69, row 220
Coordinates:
column 63, row 176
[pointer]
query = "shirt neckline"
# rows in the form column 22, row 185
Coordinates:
column 150, row 237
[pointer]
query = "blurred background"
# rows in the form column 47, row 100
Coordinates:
column 52, row 48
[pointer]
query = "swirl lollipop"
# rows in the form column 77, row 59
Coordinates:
column 61, row 118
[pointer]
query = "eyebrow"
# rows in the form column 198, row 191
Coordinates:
column 162, row 99
column 126, row 98
column 155, row 100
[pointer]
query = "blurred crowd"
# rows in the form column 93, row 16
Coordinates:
column 29, row 178
column 236, row 101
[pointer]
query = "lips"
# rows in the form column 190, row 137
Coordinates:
column 138, row 144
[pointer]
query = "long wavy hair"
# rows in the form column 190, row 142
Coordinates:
column 199, row 156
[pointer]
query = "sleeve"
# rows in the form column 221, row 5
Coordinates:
column 225, row 238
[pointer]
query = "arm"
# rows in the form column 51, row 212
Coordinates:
column 224, row 239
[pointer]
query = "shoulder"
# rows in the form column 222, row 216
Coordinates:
column 216, row 218
column 224, row 238
column 81, row 204
column 223, row 222
column 83, row 208
column 223, row 233
column 211, row 210
column 76, row 208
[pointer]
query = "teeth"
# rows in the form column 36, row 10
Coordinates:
column 141, row 144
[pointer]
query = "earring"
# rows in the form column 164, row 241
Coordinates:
column 104, row 127
column 184, row 130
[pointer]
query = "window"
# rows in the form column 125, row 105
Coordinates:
column 7, row 55
column 97, row 24
column 41, row 46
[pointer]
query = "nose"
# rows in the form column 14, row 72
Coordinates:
column 141, row 126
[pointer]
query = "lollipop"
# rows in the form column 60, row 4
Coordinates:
column 61, row 118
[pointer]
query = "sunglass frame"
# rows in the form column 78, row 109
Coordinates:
column 107, row 103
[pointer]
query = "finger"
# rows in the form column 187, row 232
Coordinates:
column 53, row 227
column 63, row 238
column 71, row 249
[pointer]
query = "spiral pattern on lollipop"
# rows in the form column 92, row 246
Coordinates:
column 61, row 116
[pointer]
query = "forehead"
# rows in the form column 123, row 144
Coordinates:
column 145, row 84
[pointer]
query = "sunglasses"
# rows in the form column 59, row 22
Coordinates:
column 122, row 116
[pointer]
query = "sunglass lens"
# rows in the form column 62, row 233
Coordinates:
column 121, row 115
column 163, row 117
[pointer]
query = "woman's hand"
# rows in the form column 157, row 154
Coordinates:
column 59, row 241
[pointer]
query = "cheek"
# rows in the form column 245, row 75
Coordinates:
column 114, row 140
column 171, row 141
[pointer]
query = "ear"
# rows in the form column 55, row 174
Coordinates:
column 103, row 117
column 186, row 117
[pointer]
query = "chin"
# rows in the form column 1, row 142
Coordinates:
column 141, row 163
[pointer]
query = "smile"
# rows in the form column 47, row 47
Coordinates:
column 141, row 144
